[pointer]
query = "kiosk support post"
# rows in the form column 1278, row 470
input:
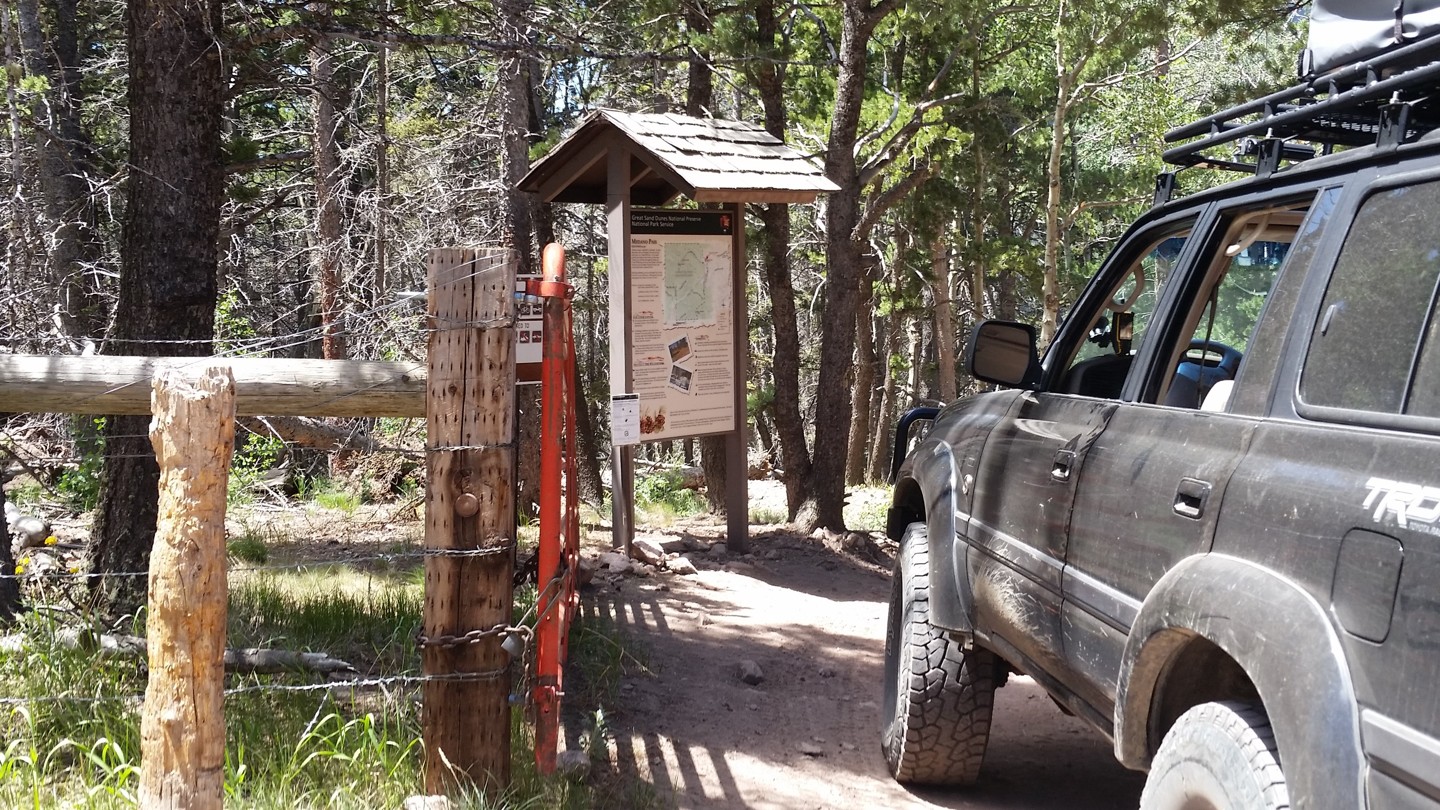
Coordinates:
column 617, row 219
column 737, row 468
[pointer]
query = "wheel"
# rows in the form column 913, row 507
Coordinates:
column 1217, row 756
column 938, row 696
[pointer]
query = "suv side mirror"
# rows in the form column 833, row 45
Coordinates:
column 1005, row 353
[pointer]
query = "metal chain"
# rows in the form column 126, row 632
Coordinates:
column 447, row 641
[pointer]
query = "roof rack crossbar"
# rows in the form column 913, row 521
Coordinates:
column 1367, row 73
column 1296, row 115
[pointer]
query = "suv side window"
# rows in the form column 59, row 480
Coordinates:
column 1377, row 316
column 1213, row 331
column 1099, row 366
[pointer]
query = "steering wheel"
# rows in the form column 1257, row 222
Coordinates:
column 1213, row 354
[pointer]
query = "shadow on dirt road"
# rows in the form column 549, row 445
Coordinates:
column 807, row 735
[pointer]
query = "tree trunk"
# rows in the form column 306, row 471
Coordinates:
column 1067, row 71
column 592, row 490
column 518, row 228
column 1050, row 319
column 17, row 247
column 9, row 586
column 880, row 440
column 864, row 386
column 167, row 273
column 712, row 461
column 1007, row 298
column 916, row 352
column 700, row 86
column 379, row 290
column 62, row 146
column 825, row 507
column 329, row 221
column 515, row 132
column 794, row 458
column 527, row 453
column 765, row 435
column 979, row 221
column 945, row 342
column 699, row 99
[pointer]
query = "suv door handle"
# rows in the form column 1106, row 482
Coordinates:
column 1064, row 461
column 1190, row 498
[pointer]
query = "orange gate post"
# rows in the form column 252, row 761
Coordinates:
column 558, row 554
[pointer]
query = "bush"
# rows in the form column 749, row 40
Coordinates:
column 664, row 492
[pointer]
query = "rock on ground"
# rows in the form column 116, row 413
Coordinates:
column 615, row 562
column 575, row 764
column 647, row 549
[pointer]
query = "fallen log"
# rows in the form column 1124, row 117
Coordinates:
column 310, row 433
column 249, row 661
column 263, row 386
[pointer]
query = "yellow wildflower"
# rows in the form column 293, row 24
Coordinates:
column 51, row 540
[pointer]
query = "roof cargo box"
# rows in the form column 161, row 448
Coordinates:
column 1343, row 32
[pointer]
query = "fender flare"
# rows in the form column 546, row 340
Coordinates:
column 950, row 600
column 1284, row 641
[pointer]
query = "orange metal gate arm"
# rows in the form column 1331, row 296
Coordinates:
column 559, row 553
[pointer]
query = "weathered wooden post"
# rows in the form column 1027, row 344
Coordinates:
column 182, row 725
column 469, row 519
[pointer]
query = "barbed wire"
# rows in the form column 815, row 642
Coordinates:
column 520, row 660
column 329, row 686
column 300, row 337
column 436, row 324
column 509, row 546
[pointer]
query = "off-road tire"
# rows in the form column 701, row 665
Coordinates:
column 938, row 695
column 1217, row 756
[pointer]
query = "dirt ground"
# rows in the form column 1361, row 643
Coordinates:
column 812, row 617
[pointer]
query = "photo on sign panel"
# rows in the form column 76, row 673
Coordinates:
column 680, row 349
column 680, row 378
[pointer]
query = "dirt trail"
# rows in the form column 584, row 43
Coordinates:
column 808, row 735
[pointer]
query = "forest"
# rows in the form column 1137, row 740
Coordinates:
column 264, row 179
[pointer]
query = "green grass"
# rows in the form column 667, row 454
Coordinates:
column 866, row 508
column 336, row 749
column 660, row 498
column 366, row 619
column 248, row 548
column 766, row 515
column 26, row 492
column 329, row 494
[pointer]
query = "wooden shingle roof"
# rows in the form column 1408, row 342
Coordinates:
column 705, row 159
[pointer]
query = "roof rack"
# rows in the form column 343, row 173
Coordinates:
column 1368, row 102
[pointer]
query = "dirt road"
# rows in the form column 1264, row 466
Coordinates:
column 807, row 736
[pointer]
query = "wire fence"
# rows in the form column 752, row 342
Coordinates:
column 339, row 681
column 514, row 637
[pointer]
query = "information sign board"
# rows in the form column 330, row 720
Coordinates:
column 682, row 330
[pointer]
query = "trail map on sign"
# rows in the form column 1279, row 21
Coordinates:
column 681, row 328
column 689, row 290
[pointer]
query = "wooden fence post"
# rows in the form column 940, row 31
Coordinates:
column 182, row 725
column 469, row 519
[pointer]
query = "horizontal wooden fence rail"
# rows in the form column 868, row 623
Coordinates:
column 263, row 386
